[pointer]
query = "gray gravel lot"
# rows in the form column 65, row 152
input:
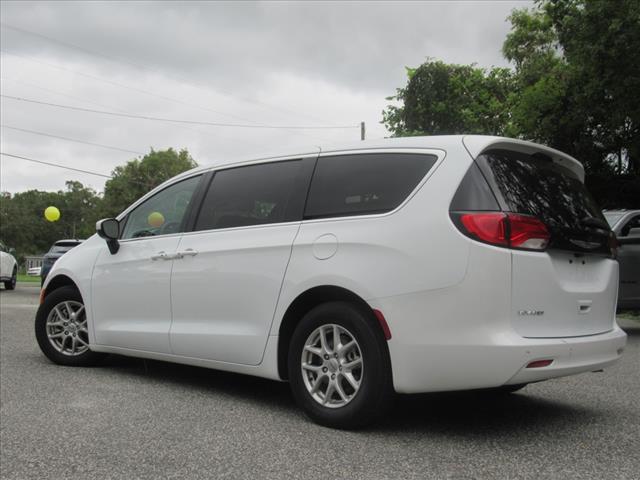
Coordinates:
column 135, row 419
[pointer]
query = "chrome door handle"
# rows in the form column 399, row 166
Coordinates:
column 161, row 256
column 189, row 252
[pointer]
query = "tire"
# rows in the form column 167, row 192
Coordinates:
column 11, row 284
column 348, row 408
column 69, row 333
column 504, row 389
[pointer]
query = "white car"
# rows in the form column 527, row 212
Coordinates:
column 405, row 265
column 8, row 268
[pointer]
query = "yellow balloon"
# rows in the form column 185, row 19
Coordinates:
column 52, row 214
column 155, row 219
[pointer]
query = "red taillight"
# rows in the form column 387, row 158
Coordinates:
column 488, row 227
column 527, row 232
column 613, row 244
column 506, row 229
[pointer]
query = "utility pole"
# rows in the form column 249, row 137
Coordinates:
column 362, row 130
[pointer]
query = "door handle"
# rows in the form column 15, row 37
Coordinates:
column 189, row 252
column 161, row 256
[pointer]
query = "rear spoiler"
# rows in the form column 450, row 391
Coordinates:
column 476, row 145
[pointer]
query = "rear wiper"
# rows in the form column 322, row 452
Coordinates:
column 595, row 223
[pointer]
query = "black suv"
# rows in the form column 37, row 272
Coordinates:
column 55, row 252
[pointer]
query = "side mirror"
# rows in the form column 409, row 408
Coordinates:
column 12, row 251
column 109, row 229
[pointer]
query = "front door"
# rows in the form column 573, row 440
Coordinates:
column 225, row 287
column 131, row 289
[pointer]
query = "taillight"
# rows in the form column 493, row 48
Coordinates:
column 613, row 244
column 505, row 229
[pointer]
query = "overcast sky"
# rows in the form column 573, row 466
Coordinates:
column 270, row 63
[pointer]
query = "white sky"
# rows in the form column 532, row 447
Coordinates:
column 276, row 63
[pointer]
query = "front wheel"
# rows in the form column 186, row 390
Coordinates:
column 11, row 283
column 339, row 366
column 61, row 329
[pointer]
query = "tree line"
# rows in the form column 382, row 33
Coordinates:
column 24, row 228
column 574, row 86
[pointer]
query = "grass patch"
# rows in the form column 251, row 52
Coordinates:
column 28, row 278
column 630, row 315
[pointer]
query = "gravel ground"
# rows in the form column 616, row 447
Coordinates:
column 144, row 419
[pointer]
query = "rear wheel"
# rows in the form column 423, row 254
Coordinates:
column 61, row 329
column 11, row 283
column 339, row 366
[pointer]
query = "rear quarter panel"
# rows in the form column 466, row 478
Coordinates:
column 414, row 248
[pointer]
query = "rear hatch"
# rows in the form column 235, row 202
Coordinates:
column 567, row 288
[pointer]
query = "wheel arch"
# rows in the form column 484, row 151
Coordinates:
column 56, row 282
column 302, row 304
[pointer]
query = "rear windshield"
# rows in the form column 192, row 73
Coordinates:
column 535, row 185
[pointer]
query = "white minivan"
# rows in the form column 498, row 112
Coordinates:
column 406, row 265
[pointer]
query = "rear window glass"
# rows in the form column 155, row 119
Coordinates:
column 535, row 185
column 364, row 183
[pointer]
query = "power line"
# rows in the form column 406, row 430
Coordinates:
column 189, row 122
column 140, row 90
column 144, row 67
column 65, row 167
column 56, row 165
column 71, row 139
column 84, row 100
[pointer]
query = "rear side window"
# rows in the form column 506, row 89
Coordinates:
column 474, row 193
column 361, row 184
column 252, row 195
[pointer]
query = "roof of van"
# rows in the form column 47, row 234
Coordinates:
column 474, row 144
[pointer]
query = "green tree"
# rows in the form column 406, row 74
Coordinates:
column 441, row 98
column 577, row 66
column 22, row 222
column 137, row 177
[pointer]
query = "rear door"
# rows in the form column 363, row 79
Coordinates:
column 226, row 282
column 569, row 289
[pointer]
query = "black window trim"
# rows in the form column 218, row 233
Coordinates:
column 438, row 153
column 302, row 184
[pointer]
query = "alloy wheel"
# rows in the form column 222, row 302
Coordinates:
column 66, row 328
column 332, row 365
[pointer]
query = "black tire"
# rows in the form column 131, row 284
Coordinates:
column 375, row 393
column 85, row 359
column 504, row 389
column 11, row 284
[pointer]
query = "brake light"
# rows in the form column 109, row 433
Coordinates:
column 488, row 227
column 506, row 229
column 613, row 245
column 527, row 232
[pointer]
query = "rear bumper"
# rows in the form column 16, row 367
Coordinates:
column 500, row 360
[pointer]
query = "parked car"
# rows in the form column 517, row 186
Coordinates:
column 8, row 268
column 405, row 265
column 58, row 249
column 626, row 226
